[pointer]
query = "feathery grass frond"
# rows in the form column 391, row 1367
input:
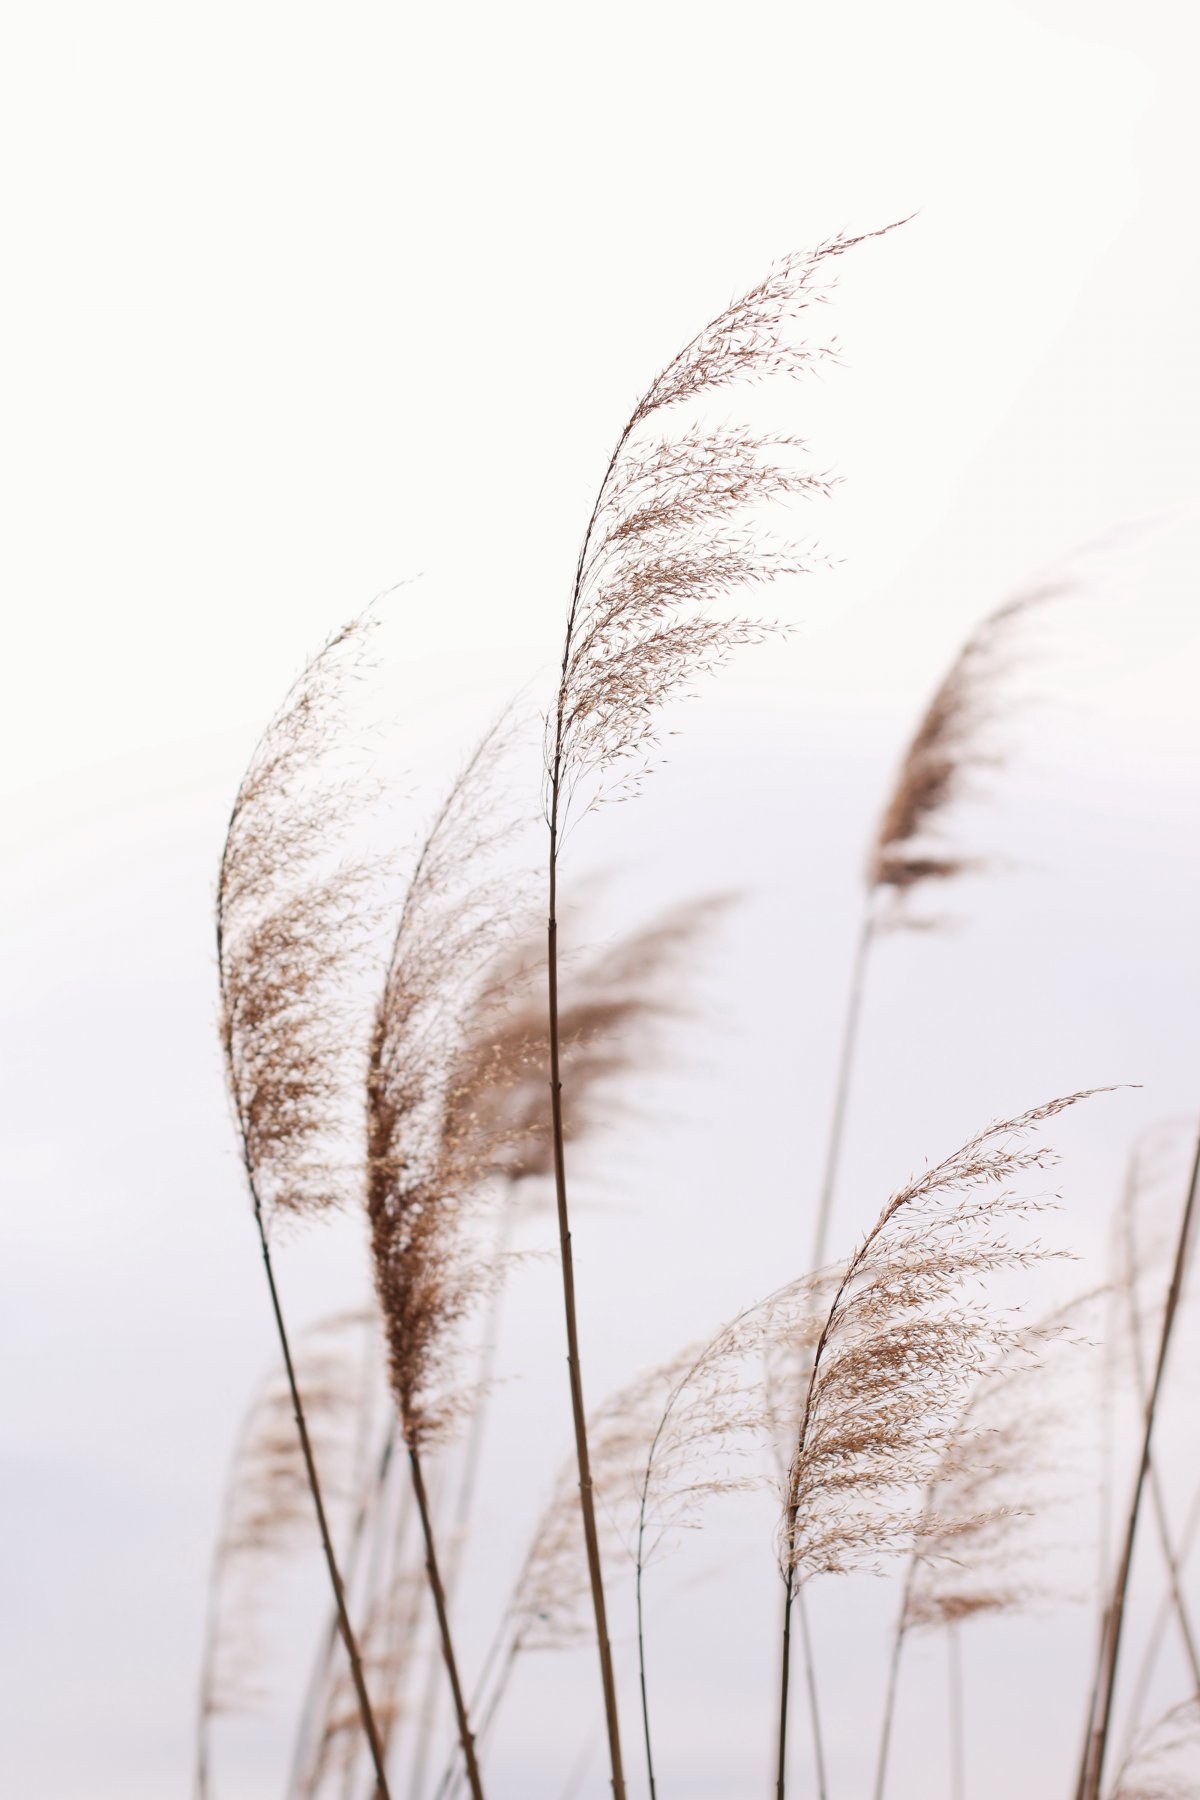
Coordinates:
column 267, row 1510
column 674, row 530
column 951, row 743
column 289, row 924
column 899, row 1347
column 671, row 535
column 896, row 1355
column 290, row 919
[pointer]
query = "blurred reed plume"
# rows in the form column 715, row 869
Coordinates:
column 671, row 534
column 266, row 1513
column 289, row 933
column 1001, row 1470
column 895, row 1358
column 1162, row 1763
column 1144, row 1251
column 953, row 741
column 682, row 1433
column 1095, row 1750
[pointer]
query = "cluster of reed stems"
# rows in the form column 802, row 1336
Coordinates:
column 904, row 1417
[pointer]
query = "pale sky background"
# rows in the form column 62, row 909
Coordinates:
column 302, row 303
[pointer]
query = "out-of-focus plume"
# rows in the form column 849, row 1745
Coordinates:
column 954, row 740
column 1163, row 1762
column 975, row 1551
column 897, row 1353
column 267, row 1516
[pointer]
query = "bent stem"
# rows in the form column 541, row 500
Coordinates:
column 579, row 1417
column 439, row 1601
column 889, row 1705
column 310, row 1468
column 1097, row 1741
column 315, row 1693
column 841, row 1095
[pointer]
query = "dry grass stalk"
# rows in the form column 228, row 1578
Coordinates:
column 267, row 1512
column 1188, row 1533
column 950, row 745
column 1147, row 1170
column 288, row 930
column 669, row 536
column 1091, row 1773
column 306, row 1769
column 389, row 1636
column 427, row 1165
column 895, row 1358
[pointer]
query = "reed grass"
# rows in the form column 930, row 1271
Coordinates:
column 1096, row 1743
column 894, row 1359
column 288, row 927
column 670, row 534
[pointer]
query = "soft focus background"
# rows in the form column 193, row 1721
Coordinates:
column 306, row 302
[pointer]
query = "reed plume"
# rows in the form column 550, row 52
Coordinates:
column 895, row 1357
column 266, row 1513
column 289, row 929
column 427, row 1166
column 670, row 536
column 952, row 743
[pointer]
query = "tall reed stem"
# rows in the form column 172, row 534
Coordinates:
column 315, row 1693
column 785, row 1671
column 1096, row 1745
column 841, row 1094
column 828, row 1189
column 586, row 1495
column 889, row 1705
column 810, row 1685
column 310, row 1467
column 958, row 1756
column 439, row 1601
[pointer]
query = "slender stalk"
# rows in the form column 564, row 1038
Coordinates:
column 1157, row 1496
column 439, row 1601
column 841, row 1093
column 1097, row 1744
column 889, row 1705
column 1158, row 1630
column 586, row 1495
column 641, row 1638
column 344, row 1625
column 785, row 1671
column 315, row 1691
column 958, row 1760
column 810, row 1683
column 464, row 1500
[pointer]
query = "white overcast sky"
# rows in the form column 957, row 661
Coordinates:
column 302, row 303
